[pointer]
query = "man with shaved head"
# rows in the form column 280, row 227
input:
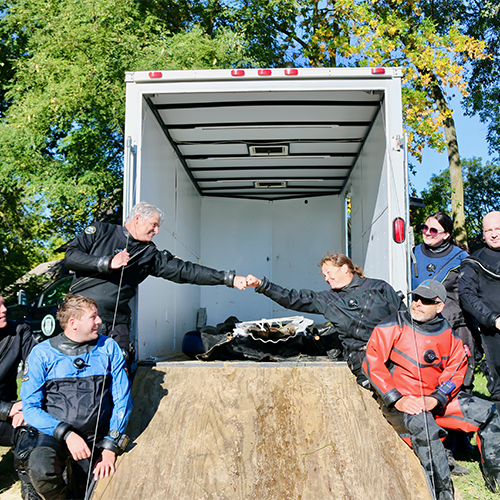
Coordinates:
column 479, row 289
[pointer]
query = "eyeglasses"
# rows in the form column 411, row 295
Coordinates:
column 425, row 301
column 431, row 230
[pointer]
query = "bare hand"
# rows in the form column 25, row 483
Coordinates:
column 410, row 405
column 413, row 405
column 77, row 447
column 105, row 465
column 120, row 260
column 430, row 403
column 16, row 413
column 253, row 281
column 497, row 324
column 240, row 282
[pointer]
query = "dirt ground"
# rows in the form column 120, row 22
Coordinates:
column 10, row 488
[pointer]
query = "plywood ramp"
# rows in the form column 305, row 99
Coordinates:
column 260, row 431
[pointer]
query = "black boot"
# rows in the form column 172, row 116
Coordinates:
column 27, row 490
column 491, row 477
column 455, row 468
column 448, row 494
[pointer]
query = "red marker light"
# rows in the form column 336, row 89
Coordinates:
column 378, row 71
column 398, row 230
column 237, row 72
column 155, row 74
column 291, row 72
column 264, row 72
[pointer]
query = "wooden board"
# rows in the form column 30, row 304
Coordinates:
column 260, row 431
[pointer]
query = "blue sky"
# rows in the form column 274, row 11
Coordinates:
column 471, row 135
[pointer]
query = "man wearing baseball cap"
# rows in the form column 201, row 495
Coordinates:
column 416, row 364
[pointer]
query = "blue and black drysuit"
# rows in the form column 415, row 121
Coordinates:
column 61, row 391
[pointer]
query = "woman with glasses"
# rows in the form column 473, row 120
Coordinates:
column 439, row 258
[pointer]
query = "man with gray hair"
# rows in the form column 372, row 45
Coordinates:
column 99, row 253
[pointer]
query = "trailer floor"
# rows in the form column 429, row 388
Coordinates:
column 245, row 430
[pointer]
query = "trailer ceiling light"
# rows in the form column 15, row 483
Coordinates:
column 264, row 72
column 398, row 230
column 238, row 72
column 269, row 185
column 378, row 71
column 291, row 72
column 155, row 74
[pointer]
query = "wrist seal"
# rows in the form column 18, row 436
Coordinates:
column 103, row 264
column 62, row 431
column 5, row 407
column 229, row 279
column 117, row 446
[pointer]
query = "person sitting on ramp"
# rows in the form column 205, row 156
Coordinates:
column 416, row 364
column 354, row 305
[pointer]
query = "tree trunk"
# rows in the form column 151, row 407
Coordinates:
column 456, row 178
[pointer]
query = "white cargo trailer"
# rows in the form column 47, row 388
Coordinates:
column 263, row 171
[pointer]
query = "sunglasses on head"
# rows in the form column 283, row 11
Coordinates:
column 431, row 230
column 425, row 301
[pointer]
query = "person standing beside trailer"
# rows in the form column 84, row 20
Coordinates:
column 354, row 305
column 110, row 261
column 479, row 287
column 439, row 258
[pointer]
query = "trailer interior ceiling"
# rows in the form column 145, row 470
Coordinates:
column 265, row 146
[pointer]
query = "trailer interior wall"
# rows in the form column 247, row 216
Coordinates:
column 377, row 192
column 162, row 307
column 282, row 240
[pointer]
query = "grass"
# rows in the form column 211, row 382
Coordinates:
column 471, row 486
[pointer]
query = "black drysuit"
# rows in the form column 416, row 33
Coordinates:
column 479, row 288
column 353, row 310
column 89, row 255
column 16, row 342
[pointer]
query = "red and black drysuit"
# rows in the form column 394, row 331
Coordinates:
column 408, row 358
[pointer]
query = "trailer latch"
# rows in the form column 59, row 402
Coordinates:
column 397, row 142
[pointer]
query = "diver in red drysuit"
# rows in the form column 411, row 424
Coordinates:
column 417, row 365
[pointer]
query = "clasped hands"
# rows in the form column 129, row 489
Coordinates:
column 414, row 405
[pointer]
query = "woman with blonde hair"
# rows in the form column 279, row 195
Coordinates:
column 354, row 304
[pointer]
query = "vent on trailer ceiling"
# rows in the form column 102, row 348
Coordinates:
column 269, row 185
column 276, row 150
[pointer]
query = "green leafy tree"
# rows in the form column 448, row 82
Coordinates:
column 425, row 40
column 61, row 131
column 423, row 37
column 483, row 22
column 481, row 195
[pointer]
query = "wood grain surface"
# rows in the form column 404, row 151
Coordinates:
column 276, row 431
